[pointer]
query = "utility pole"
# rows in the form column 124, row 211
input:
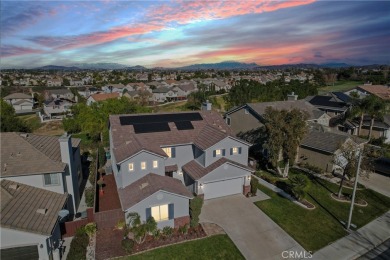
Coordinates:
column 354, row 189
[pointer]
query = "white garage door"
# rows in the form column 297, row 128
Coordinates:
column 223, row 188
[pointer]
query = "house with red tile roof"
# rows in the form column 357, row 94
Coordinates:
column 101, row 97
column 161, row 161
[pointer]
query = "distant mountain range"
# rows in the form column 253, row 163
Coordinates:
column 226, row 65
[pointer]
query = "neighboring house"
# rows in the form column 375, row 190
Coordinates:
column 29, row 222
column 58, row 93
column 319, row 148
column 379, row 129
column 159, row 160
column 101, row 97
column 88, row 91
column 57, row 108
column 163, row 94
column 329, row 104
column 45, row 162
column 20, row 102
column 54, row 82
column 250, row 116
column 380, row 91
column 113, row 88
column 184, row 90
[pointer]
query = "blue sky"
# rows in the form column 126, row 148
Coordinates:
column 177, row 33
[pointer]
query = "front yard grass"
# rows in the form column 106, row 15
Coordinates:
column 314, row 229
column 343, row 85
column 215, row 247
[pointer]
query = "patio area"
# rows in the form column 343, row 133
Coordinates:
column 110, row 199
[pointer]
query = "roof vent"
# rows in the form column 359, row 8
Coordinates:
column 18, row 154
column 128, row 142
column 143, row 185
column 42, row 211
column 14, row 186
column 24, row 135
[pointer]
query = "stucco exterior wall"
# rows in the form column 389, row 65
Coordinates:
column 38, row 181
column 227, row 144
column 183, row 155
column 242, row 122
column 128, row 177
column 320, row 159
column 181, row 206
column 224, row 172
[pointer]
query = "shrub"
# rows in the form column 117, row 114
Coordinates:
column 102, row 156
column 78, row 246
column 128, row 245
column 183, row 229
column 167, row 231
column 90, row 229
column 299, row 185
column 120, row 224
column 89, row 196
column 254, row 185
column 195, row 209
column 157, row 234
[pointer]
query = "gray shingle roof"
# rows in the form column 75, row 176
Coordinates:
column 17, row 96
column 19, row 209
column 328, row 141
column 197, row 171
column 313, row 112
column 148, row 185
column 31, row 154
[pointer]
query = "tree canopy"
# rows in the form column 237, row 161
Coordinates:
column 284, row 130
column 93, row 119
column 9, row 122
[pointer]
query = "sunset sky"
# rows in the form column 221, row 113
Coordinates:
column 178, row 33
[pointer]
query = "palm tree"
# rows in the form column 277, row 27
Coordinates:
column 139, row 229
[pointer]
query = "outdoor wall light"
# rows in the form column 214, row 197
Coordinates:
column 249, row 178
column 41, row 246
column 201, row 185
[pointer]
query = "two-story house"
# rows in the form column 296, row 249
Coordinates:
column 20, row 102
column 58, row 93
column 57, row 108
column 161, row 160
column 45, row 162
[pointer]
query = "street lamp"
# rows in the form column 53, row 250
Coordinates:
column 355, row 187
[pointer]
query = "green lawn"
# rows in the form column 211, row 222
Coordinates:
column 173, row 107
column 314, row 229
column 340, row 86
column 32, row 121
column 215, row 247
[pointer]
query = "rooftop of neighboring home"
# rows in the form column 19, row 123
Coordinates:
column 328, row 142
column 27, row 154
column 385, row 124
column 18, row 96
column 58, row 102
column 259, row 108
column 104, row 96
column 59, row 91
column 378, row 90
column 186, row 87
column 30, row 209
column 161, row 90
column 148, row 185
column 328, row 102
column 133, row 133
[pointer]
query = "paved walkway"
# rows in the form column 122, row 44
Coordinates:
column 259, row 196
column 251, row 230
column 358, row 242
column 377, row 182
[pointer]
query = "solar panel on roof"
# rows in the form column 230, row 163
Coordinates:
column 184, row 125
column 162, row 118
column 151, row 128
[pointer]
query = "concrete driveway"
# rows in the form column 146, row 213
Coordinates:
column 252, row 231
column 377, row 182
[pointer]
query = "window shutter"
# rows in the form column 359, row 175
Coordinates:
column 148, row 213
column 173, row 151
column 171, row 211
column 239, row 150
column 231, row 151
column 223, row 152
column 214, row 153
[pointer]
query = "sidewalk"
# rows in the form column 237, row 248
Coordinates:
column 358, row 242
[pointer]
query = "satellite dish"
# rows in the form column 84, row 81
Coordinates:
column 63, row 213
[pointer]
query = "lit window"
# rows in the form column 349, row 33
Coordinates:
column 131, row 167
column 155, row 164
column 143, row 165
column 235, row 150
column 160, row 213
column 51, row 179
column 218, row 152
column 168, row 151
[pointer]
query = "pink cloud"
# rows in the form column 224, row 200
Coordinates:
column 10, row 50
